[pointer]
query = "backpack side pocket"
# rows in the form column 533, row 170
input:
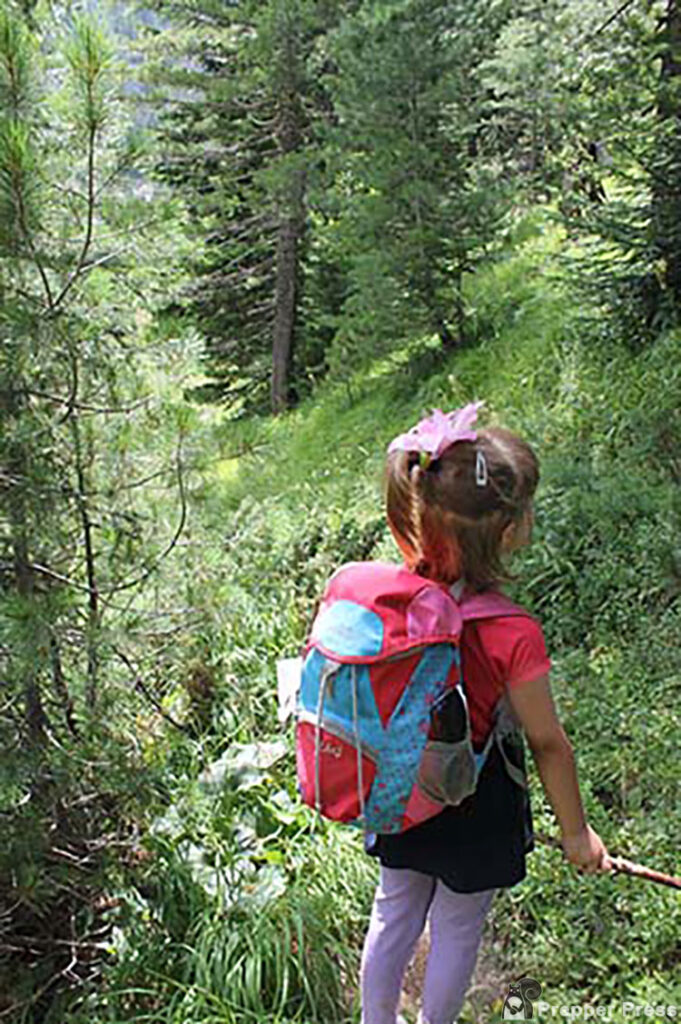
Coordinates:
column 447, row 771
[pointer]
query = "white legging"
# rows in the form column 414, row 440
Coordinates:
column 403, row 902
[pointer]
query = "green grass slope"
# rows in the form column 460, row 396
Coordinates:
column 258, row 911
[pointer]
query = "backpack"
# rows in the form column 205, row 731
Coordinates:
column 383, row 735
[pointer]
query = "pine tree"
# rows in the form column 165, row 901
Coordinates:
column 587, row 102
column 77, row 543
column 666, row 163
column 419, row 200
column 68, row 245
column 240, row 147
column 632, row 99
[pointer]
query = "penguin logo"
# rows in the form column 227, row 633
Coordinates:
column 518, row 1004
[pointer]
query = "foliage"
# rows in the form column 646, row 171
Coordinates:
column 235, row 904
column 417, row 194
column 634, row 266
column 587, row 102
column 78, row 416
column 241, row 141
column 383, row 176
column 156, row 559
column 233, row 843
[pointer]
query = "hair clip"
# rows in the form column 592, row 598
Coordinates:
column 425, row 459
column 481, row 476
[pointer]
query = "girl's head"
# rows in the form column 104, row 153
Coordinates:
column 458, row 500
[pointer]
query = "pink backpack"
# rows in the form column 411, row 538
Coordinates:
column 383, row 733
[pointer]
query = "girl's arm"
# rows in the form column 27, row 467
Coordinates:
column 554, row 757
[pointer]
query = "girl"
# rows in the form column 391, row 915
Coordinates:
column 458, row 503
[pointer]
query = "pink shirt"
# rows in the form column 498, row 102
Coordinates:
column 499, row 653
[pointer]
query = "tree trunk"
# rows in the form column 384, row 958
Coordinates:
column 34, row 712
column 288, row 238
column 93, row 619
column 667, row 180
column 290, row 211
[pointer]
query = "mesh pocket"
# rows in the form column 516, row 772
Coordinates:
column 447, row 771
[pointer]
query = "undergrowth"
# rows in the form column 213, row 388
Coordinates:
column 243, row 908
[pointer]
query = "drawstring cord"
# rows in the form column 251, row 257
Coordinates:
column 358, row 743
column 318, row 742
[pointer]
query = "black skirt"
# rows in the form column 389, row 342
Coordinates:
column 481, row 844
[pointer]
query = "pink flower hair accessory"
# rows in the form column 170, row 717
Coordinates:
column 436, row 433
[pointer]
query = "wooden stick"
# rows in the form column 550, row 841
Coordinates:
column 622, row 866
column 627, row 867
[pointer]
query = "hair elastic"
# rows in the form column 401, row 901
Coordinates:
column 481, row 476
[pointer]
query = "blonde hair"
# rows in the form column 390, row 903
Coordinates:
column 448, row 520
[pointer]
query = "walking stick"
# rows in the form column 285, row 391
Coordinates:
column 620, row 865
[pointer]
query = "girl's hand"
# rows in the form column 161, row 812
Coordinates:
column 586, row 850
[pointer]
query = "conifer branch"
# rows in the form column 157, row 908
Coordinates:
column 106, row 592
column 26, row 234
column 99, row 410
column 87, row 241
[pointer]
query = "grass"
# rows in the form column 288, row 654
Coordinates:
column 248, row 910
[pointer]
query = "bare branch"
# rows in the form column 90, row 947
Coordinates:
column 146, row 692
column 61, row 686
column 75, row 379
column 94, row 617
column 613, row 17
column 44, row 570
column 84, row 406
column 174, row 539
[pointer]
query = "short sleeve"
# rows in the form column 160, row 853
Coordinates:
column 498, row 653
column 513, row 648
column 528, row 658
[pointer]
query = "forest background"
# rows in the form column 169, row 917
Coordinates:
column 242, row 245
